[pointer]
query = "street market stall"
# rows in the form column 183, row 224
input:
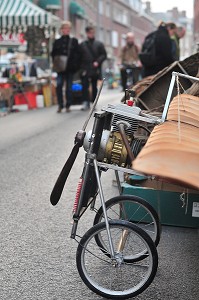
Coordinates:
column 21, row 87
column 19, row 14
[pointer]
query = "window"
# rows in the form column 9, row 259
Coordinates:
column 84, row 24
column 100, row 7
column 115, row 39
column 136, row 5
column 125, row 18
column 108, row 37
column 123, row 40
column 120, row 16
column 101, row 34
column 108, row 11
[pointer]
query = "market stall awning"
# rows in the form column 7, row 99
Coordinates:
column 50, row 4
column 24, row 13
column 76, row 10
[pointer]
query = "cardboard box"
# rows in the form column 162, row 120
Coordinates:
column 144, row 181
column 176, row 206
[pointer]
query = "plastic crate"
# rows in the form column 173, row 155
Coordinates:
column 28, row 98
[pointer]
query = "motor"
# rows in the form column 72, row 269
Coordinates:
column 112, row 148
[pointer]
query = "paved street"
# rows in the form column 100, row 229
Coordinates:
column 37, row 256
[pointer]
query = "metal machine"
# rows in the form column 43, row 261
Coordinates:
column 117, row 257
column 124, row 126
column 118, row 134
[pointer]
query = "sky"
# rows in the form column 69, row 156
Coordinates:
column 164, row 5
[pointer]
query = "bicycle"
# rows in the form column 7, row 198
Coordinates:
column 130, row 74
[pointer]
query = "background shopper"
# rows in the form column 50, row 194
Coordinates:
column 65, row 47
column 164, row 50
column 92, row 54
column 129, row 61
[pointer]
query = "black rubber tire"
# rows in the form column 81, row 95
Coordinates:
column 107, row 292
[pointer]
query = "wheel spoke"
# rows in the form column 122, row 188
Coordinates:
column 135, row 210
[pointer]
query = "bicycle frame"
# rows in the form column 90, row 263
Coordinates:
column 91, row 169
column 88, row 189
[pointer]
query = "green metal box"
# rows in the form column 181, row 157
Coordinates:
column 175, row 205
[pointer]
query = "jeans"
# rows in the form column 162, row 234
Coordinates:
column 61, row 77
column 131, row 74
column 85, row 89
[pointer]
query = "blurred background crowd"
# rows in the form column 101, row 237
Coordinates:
column 30, row 28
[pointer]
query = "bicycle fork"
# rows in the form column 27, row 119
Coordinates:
column 124, row 234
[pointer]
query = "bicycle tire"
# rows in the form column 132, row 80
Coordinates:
column 115, row 278
column 131, row 202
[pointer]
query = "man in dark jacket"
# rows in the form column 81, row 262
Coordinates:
column 163, row 49
column 66, row 46
column 92, row 55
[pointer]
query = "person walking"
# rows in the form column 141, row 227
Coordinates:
column 179, row 33
column 65, row 56
column 129, row 61
column 163, row 50
column 92, row 55
column 172, row 30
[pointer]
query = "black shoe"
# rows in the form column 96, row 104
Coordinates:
column 59, row 110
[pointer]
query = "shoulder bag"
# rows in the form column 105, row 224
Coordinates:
column 60, row 61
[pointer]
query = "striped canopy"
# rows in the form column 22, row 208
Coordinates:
column 15, row 13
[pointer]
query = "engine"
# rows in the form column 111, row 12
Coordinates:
column 137, row 126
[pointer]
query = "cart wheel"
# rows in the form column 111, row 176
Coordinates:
column 135, row 210
column 114, row 278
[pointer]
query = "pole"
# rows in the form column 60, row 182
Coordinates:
column 50, row 58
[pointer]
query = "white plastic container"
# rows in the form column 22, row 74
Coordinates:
column 21, row 107
column 40, row 101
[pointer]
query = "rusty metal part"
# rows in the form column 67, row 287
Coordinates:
column 122, row 125
column 116, row 152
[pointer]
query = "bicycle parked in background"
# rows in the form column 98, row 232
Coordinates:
column 130, row 74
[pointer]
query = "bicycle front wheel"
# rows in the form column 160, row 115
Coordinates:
column 113, row 277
